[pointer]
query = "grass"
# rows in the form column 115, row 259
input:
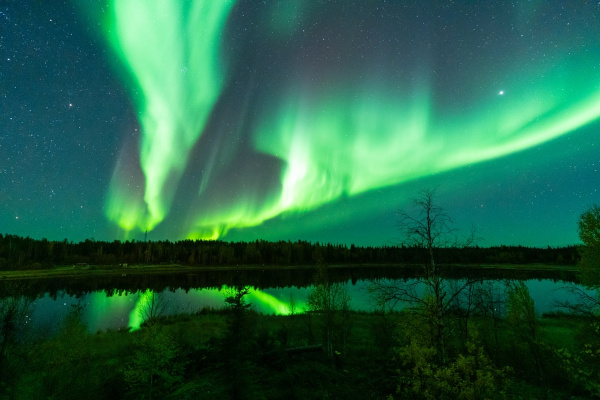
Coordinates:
column 562, row 329
column 366, row 370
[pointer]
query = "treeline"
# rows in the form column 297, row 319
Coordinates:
column 22, row 253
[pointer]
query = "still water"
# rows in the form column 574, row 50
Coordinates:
column 122, row 311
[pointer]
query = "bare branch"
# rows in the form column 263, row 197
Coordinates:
column 586, row 304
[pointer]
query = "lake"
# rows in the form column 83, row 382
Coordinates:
column 119, row 309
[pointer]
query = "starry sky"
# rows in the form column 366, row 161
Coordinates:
column 286, row 120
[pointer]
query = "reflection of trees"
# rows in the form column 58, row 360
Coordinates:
column 14, row 315
column 259, row 278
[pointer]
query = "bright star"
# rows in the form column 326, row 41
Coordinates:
column 501, row 92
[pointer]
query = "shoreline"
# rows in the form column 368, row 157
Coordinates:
column 91, row 271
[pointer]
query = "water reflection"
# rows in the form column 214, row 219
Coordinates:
column 105, row 310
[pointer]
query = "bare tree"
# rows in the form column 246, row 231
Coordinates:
column 330, row 302
column 490, row 303
column 426, row 226
column 152, row 306
column 466, row 304
column 586, row 302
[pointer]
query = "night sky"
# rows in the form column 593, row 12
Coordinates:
column 312, row 120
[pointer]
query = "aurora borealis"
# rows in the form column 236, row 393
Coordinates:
column 171, row 52
column 277, row 120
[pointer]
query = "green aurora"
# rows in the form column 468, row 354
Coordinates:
column 332, row 137
column 171, row 51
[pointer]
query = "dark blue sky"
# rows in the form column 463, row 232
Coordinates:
column 287, row 120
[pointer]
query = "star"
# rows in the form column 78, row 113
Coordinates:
column 323, row 128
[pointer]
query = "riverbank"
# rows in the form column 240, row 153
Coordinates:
column 86, row 270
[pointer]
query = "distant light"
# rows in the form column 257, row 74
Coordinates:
column 501, row 92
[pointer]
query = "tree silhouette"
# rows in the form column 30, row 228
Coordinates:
column 428, row 228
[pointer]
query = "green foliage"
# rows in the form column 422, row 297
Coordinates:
column 582, row 366
column 470, row 376
column 521, row 313
column 589, row 233
column 76, row 365
column 589, row 227
column 573, row 364
column 155, row 368
column 524, row 325
column 65, row 365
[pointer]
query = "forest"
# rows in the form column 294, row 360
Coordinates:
column 27, row 253
column 430, row 337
